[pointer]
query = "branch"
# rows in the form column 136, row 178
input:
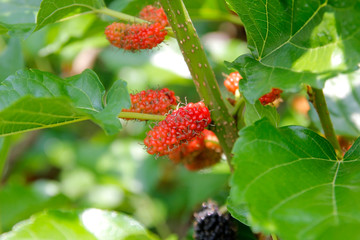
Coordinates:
column 318, row 100
column 202, row 73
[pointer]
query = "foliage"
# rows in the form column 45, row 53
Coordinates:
column 71, row 169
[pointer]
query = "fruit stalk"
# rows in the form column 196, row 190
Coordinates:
column 141, row 116
column 122, row 16
column 318, row 100
column 202, row 73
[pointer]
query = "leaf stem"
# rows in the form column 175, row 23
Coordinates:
column 202, row 73
column 141, row 116
column 274, row 237
column 4, row 148
column 122, row 16
column 318, row 100
column 126, row 18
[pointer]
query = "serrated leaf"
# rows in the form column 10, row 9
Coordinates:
column 294, row 42
column 255, row 112
column 53, row 10
column 90, row 224
column 11, row 59
column 342, row 95
column 289, row 183
column 18, row 16
column 32, row 99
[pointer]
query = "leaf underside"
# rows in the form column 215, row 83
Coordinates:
column 287, row 181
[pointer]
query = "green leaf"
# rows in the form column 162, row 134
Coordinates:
column 53, row 10
column 90, row 224
column 18, row 16
column 342, row 95
column 11, row 59
column 287, row 181
column 32, row 99
column 20, row 202
column 294, row 42
column 255, row 112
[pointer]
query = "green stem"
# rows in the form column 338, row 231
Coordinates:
column 202, row 73
column 237, row 106
column 122, row 16
column 274, row 237
column 126, row 18
column 318, row 100
column 141, row 116
column 4, row 148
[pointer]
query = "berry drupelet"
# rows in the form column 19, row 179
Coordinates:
column 180, row 126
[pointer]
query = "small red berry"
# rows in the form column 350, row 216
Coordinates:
column 157, row 102
column 188, row 149
column 135, row 36
column 153, row 14
column 232, row 82
column 271, row 96
column 200, row 152
column 180, row 126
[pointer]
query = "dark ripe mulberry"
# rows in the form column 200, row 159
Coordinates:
column 210, row 224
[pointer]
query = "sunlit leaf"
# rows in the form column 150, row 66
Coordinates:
column 20, row 202
column 287, row 181
column 90, row 224
column 294, row 42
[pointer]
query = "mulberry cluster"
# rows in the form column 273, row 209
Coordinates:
column 157, row 102
column 201, row 152
column 135, row 36
column 180, row 126
column 210, row 224
column 153, row 14
column 139, row 36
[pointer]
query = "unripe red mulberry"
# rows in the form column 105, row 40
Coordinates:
column 153, row 14
column 271, row 96
column 135, row 36
column 232, row 82
column 200, row 152
column 157, row 102
column 180, row 126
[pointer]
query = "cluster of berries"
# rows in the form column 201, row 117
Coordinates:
column 200, row 152
column 180, row 126
column 157, row 102
column 210, row 224
column 232, row 84
column 182, row 135
column 138, row 36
